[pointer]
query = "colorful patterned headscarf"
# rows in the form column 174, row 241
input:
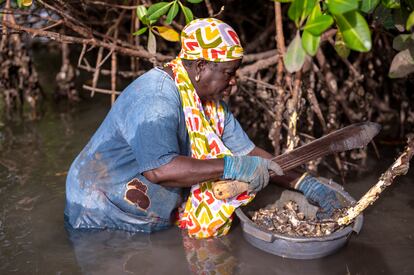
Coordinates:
column 203, row 215
column 210, row 39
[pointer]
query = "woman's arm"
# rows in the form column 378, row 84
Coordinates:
column 185, row 171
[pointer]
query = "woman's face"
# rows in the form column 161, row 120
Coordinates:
column 216, row 79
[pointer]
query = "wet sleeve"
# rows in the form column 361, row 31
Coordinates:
column 151, row 130
column 234, row 137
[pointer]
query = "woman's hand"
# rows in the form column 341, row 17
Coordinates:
column 253, row 170
column 317, row 193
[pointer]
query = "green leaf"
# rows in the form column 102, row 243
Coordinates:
column 295, row 55
column 295, row 11
column 195, row 1
column 318, row 25
column 391, row 4
column 368, row 6
column 188, row 14
column 152, row 43
column 141, row 11
column 316, row 12
column 300, row 9
column 140, row 31
column 145, row 20
column 158, row 9
column 308, row 6
column 402, row 42
column 310, row 43
column 410, row 21
column 283, row 1
column 154, row 7
column 402, row 64
column 342, row 6
column 172, row 13
column 355, row 31
column 340, row 47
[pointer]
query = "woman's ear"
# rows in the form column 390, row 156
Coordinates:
column 200, row 65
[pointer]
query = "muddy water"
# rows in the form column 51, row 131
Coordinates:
column 34, row 156
column 33, row 240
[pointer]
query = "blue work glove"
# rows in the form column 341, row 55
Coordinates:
column 253, row 170
column 317, row 193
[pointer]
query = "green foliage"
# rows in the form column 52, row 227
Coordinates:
column 340, row 47
column 391, row 4
column 319, row 25
column 158, row 9
column 349, row 18
column 368, row 6
column 311, row 35
column 152, row 43
column 140, row 31
column 355, row 31
column 299, row 10
column 172, row 13
column 312, row 19
column 141, row 11
column 310, row 43
column 154, row 13
column 195, row 1
column 342, row 6
column 295, row 55
column 188, row 14
column 410, row 21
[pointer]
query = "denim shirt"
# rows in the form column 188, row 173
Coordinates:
column 144, row 130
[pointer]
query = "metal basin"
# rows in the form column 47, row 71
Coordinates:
column 295, row 247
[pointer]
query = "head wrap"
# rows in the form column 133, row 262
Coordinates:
column 210, row 39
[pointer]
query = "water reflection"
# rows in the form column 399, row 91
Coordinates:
column 33, row 157
column 118, row 252
column 355, row 258
column 209, row 256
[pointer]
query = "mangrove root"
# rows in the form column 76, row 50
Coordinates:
column 399, row 167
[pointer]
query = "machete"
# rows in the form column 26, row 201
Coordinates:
column 351, row 137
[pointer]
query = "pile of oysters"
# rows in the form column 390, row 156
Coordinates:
column 288, row 220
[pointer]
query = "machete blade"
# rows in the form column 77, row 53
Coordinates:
column 353, row 136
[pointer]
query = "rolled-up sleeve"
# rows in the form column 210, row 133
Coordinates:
column 234, row 137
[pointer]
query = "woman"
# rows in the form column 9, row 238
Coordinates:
column 170, row 129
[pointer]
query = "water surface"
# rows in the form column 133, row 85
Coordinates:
column 35, row 155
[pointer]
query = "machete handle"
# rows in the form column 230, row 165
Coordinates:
column 225, row 189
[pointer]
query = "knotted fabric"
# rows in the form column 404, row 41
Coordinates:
column 203, row 215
